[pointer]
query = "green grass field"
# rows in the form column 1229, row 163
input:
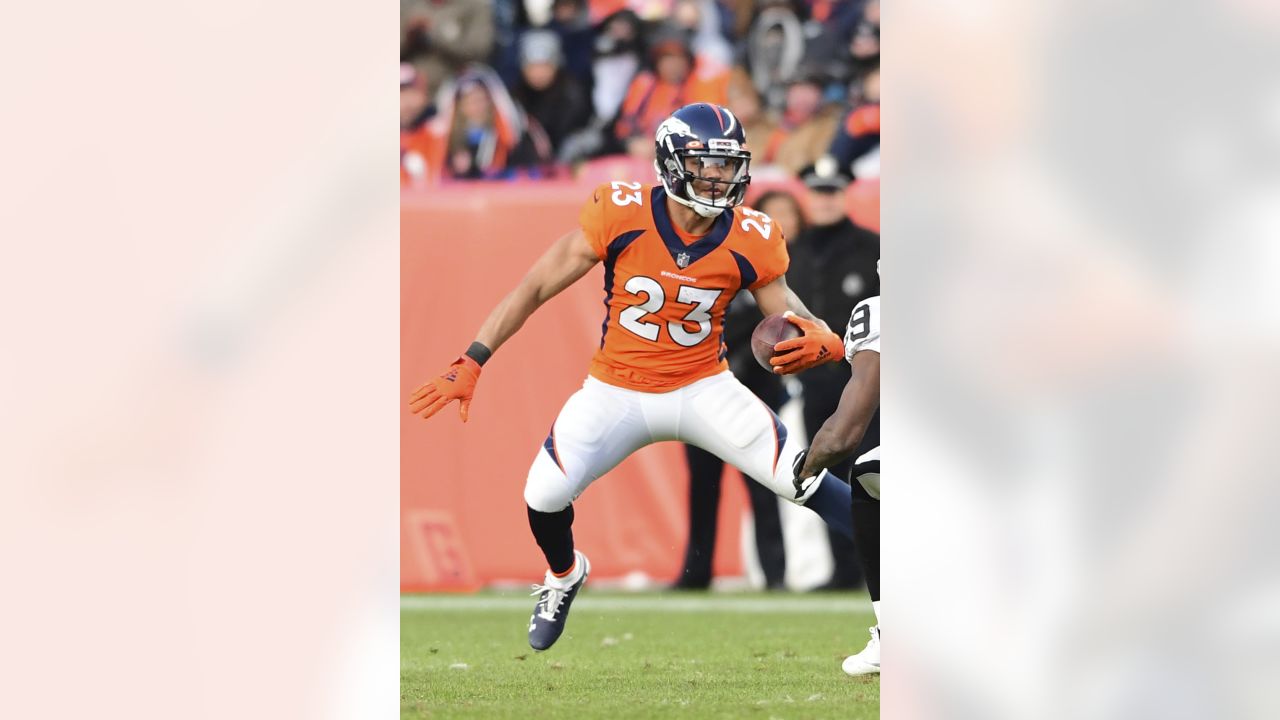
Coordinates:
column 688, row 655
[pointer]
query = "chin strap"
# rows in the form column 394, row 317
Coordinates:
column 707, row 211
column 704, row 209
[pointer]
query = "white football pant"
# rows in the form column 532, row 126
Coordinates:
column 601, row 424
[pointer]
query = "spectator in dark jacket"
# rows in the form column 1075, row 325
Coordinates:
column 571, row 21
column 833, row 262
column 548, row 93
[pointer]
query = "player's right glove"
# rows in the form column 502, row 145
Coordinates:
column 458, row 382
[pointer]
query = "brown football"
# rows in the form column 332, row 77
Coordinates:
column 771, row 331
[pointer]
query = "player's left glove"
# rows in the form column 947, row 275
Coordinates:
column 458, row 382
column 817, row 345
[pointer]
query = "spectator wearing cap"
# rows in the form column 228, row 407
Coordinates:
column 441, row 36
column 676, row 79
column 835, row 260
column 833, row 268
column 808, row 123
column 550, row 95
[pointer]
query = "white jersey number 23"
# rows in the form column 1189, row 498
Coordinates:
column 702, row 299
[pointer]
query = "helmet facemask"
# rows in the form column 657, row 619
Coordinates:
column 719, row 180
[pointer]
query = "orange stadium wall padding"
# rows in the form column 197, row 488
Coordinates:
column 463, row 522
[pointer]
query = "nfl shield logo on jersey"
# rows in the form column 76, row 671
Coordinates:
column 682, row 260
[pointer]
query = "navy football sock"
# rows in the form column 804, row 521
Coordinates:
column 832, row 501
column 554, row 533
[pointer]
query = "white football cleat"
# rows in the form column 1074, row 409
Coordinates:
column 866, row 662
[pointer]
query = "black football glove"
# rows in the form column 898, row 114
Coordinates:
column 796, row 466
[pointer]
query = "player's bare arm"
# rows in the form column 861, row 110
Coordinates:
column 559, row 267
column 816, row 346
column 843, row 431
column 777, row 297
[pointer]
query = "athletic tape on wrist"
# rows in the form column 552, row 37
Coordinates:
column 479, row 353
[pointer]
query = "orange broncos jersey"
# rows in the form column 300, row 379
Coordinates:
column 666, row 292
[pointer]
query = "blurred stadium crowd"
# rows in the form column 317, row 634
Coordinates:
column 530, row 89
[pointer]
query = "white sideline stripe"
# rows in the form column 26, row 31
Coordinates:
column 464, row 603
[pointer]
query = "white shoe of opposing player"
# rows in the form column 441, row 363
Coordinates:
column 866, row 662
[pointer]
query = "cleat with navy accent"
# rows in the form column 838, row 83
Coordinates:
column 866, row 662
column 555, row 596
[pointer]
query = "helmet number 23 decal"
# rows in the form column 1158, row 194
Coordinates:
column 630, row 198
column 702, row 299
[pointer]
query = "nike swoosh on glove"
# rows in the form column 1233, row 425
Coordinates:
column 458, row 382
column 817, row 345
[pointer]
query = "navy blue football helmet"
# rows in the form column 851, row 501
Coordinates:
column 713, row 136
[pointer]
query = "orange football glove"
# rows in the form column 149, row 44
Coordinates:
column 816, row 346
column 458, row 382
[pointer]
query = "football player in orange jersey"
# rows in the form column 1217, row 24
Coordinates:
column 675, row 254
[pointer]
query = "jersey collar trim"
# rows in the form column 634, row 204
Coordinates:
column 698, row 250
